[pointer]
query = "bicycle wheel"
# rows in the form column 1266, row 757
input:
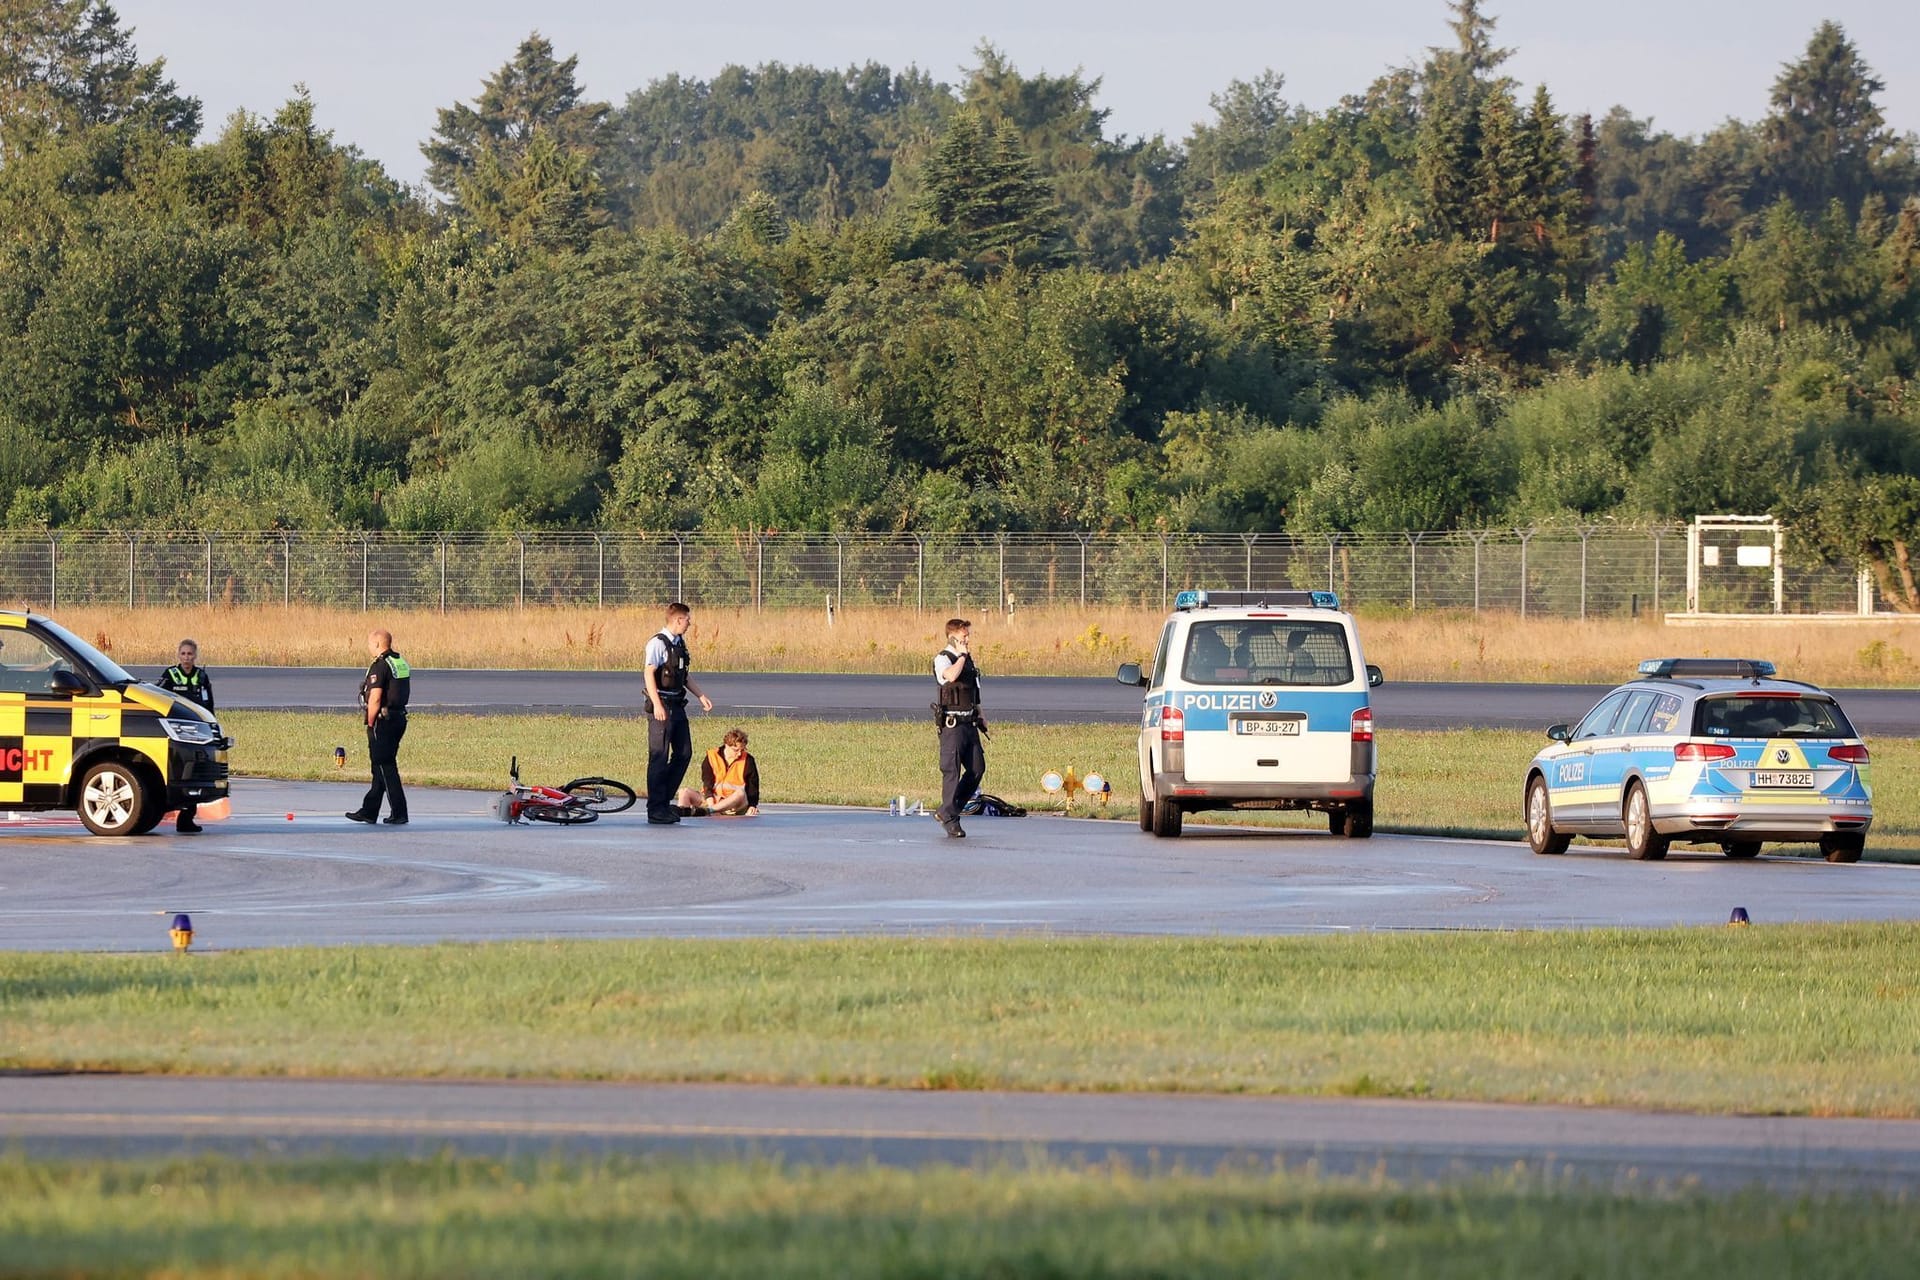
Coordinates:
column 565, row 815
column 602, row 795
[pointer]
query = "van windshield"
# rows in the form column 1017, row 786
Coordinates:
column 1283, row 651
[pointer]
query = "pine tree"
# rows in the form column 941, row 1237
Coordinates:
column 1826, row 136
column 68, row 65
column 530, row 96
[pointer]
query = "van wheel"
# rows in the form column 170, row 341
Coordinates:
column 1541, row 837
column 1643, row 842
column 1840, row 847
column 1146, row 812
column 1336, row 822
column 1357, row 822
column 1166, row 818
column 113, row 800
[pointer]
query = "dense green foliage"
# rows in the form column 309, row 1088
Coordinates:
column 791, row 297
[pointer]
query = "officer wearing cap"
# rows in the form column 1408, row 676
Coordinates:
column 188, row 679
column 669, row 740
column 963, row 761
column 385, row 690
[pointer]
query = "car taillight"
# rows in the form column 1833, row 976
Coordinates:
column 1363, row 725
column 1703, row 751
column 1849, row 754
column 1173, row 725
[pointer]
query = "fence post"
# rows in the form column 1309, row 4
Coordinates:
column 443, row 572
column 286, row 571
column 133, row 541
column 1586, row 535
column 919, row 572
column 1248, row 539
column 759, row 569
column 522, row 596
column 1165, row 542
column 209, row 571
column 1525, row 538
column 1084, row 538
column 680, row 566
column 600, row 573
column 1413, row 570
column 53, row 571
column 1656, row 572
column 366, row 560
column 1479, row 540
column 999, row 542
column 840, row 569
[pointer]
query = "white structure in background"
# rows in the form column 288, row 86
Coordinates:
column 1736, row 568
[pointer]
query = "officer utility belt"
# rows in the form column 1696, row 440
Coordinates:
column 953, row 718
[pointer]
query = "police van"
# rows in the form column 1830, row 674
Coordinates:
column 1256, row 700
column 78, row 732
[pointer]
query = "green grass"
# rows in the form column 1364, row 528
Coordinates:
column 1799, row 1019
column 476, row 1218
column 1460, row 783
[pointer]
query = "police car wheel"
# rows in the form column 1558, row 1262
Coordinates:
column 1643, row 842
column 1166, row 818
column 1843, row 847
column 1146, row 814
column 1742, row 848
column 113, row 799
column 1541, row 837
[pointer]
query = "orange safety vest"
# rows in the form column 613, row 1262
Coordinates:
column 727, row 778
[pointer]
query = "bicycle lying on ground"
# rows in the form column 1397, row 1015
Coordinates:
column 582, row 800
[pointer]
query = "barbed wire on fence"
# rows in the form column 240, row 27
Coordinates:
column 1604, row 570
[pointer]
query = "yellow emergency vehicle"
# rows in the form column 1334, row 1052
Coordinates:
column 79, row 732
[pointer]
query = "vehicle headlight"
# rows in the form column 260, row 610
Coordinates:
column 196, row 731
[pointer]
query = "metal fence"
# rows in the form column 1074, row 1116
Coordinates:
column 1557, row 572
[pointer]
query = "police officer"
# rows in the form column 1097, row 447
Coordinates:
column 963, row 761
column 188, row 679
column 669, row 740
column 385, row 690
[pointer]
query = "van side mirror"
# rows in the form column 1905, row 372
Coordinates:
column 1559, row 732
column 1130, row 674
column 1374, row 678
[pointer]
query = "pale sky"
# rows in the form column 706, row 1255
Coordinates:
column 379, row 69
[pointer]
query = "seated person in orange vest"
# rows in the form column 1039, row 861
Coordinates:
column 729, row 781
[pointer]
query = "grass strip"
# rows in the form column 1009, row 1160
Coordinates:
column 210, row 1217
column 1817, row 1020
column 1465, row 782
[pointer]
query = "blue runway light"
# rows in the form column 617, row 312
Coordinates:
column 1738, row 919
column 181, row 931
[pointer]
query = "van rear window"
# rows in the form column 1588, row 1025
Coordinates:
column 1274, row 651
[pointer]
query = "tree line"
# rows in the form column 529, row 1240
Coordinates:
column 793, row 297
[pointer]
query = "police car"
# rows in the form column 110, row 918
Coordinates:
column 1709, row 751
column 78, row 732
column 1256, row 700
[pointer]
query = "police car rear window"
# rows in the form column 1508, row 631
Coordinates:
column 1763, row 716
column 1267, row 651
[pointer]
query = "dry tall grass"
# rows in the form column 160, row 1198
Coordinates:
column 1424, row 646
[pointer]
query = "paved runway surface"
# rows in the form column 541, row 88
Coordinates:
column 257, row 880
column 98, row 1116
column 458, row 873
column 1036, row 699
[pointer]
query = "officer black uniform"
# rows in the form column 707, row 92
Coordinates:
column 393, row 678
column 188, row 680
column 669, row 739
column 963, row 761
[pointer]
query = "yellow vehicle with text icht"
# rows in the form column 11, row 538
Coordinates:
column 79, row 732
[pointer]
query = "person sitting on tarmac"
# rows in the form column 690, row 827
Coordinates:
column 729, row 781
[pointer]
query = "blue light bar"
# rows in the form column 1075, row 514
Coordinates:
column 1728, row 668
